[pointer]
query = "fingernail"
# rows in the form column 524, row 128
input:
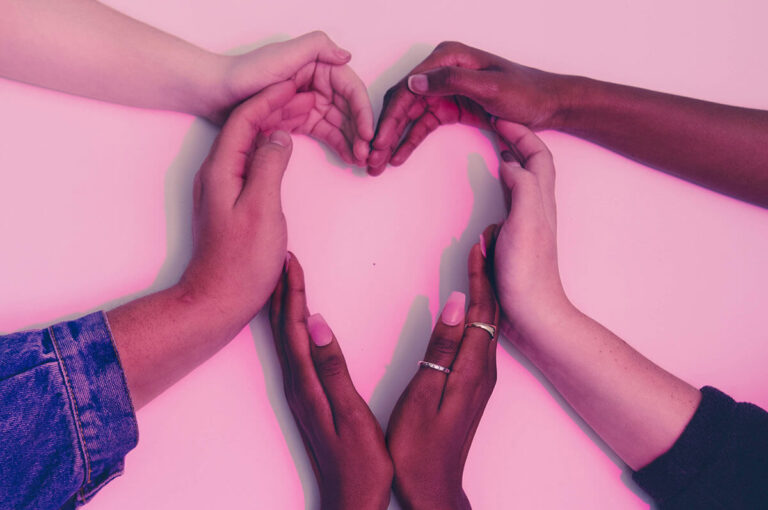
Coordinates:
column 453, row 313
column 418, row 83
column 482, row 246
column 508, row 157
column 343, row 54
column 287, row 260
column 319, row 331
column 280, row 138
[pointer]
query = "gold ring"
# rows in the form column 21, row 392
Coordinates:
column 488, row 328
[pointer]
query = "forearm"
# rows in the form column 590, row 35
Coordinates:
column 162, row 337
column 86, row 48
column 636, row 407
column 717, row 146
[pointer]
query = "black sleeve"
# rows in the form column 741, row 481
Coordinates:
column 720, row 461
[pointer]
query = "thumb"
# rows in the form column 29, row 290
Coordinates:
column 264, row 175
column 452, row 80
column 511, row 173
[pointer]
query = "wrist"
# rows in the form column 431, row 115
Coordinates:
column 542, row 322
column 570, row 92
column 211, row 98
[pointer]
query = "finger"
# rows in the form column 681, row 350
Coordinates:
column 535, row 157
column 265, row 173
column 480, row 86
column 349, row 86
column 441, row 350
column 474, row 368
column 307, row 392
column 345, row 120
column 310, row 47
column 418, row 132
column 346, row 404
column 223, row 172
column 395, row 117
column 276, row 322
column 334, row 138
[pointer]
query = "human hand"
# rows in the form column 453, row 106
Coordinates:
column 527, row 277
column 458, row 83
column 239, row 228
column 341, row 116
column 433, row 424
column 343, row 439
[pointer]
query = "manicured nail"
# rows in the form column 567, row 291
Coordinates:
column 453, row 313
column 418, row 83
column 343, row 54
column 508, row 157
column 482, row 246
column 319, row 331
column 280, row 138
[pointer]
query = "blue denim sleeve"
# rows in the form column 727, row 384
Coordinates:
column 66, row 417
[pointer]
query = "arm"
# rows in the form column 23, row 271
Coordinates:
column 639, row 409
column 720, row 147
column 240, row 247
column 717, row 146
column 86, row 48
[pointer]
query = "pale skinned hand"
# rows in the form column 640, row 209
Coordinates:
column 458, row 83
column 527, row 277
column 239, row 228
column 341, row 114
column 433, row 424
column 344, row 441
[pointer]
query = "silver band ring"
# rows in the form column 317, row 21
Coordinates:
column 434, row 366
column 488, row 328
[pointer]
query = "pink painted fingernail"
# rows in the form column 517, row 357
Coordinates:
column 482, row 246
column 319, row 331
column 343, row 54
column 453, row 312
column 418, row 83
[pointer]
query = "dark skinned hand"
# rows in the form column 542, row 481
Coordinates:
column 461, row 84
column 433, row 424
column 344, row 441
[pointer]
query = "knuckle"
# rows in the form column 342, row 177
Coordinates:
column 444, row 345
column 450, row 46
column 481, row 311
column 319, row 34
column 332, row 366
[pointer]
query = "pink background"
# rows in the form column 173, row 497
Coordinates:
column 95, row 199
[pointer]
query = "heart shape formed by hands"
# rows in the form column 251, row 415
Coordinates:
column 241, row 231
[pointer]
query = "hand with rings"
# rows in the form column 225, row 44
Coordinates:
column 433, row 424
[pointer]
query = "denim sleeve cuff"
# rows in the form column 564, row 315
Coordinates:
column 99, row 397
column 696, row 448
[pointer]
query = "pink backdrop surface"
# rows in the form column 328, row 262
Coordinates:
column 95, row 202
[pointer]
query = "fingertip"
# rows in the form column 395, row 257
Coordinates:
column 319, row 330
column 418, row 83
column 375, row 171
column 281, row 138
column 343, row 54
column 361, row 150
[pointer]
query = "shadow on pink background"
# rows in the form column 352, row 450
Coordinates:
column 678, row 271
